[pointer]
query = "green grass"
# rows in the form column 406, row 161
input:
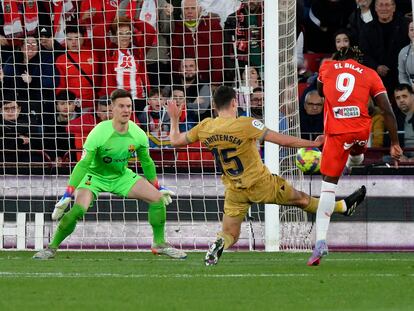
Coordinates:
column 241, row 281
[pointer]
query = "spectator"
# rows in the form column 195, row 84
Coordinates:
column 250, row 79
column 65, row 14
column 18, row 139
column 252, row 76
column 244, row 29
column 19, row 19
column 96, row 16
column 57, row 141
column 80, row 127
column 155, row 120
column 256, row 104
column 32, row 80
column 197, row 91
column 382, row 39
column 325, row 18
column 125, row 63
column 78, row 69
column 311, row 116
column 199, row 37
column 406, row 60
column 363, row 14
column 404, row 97
column 343, row 39
column 48, row 45
column 178, row 94
column 158, row 58
column 257, row 108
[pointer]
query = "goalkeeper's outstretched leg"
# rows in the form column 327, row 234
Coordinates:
column 67, row 224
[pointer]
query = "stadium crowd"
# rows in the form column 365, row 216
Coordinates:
column 61, row 59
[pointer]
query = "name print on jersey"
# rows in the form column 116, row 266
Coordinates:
column 228, row 138
column 350, row 66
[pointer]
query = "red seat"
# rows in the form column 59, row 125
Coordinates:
column 313, row 60
column 195, row 155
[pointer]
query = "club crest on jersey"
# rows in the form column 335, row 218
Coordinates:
column 131, row 150
column 257, row 124
column 346, row 112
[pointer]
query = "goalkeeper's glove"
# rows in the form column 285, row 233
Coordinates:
column 166, row 195
column 63, row 203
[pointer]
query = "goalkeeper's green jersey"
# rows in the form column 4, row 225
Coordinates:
column 106, row 152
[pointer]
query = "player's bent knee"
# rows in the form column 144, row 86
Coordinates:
column 84, row 197
column 298, row 198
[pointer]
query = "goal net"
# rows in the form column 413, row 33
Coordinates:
column 64, row 58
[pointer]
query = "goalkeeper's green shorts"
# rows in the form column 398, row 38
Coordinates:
column 119, row 186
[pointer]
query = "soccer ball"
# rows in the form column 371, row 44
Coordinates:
column 308, row 160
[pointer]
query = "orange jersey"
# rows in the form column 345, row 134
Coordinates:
column 347, row 86
column 233, row 143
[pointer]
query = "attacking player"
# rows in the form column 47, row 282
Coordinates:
column 104, row 168
column 346, row 86
column 247, row 180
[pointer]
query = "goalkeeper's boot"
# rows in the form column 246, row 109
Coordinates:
column 321, row 249
column 354, row 199
column 214, row 252
column 168, row 250
column 44, row 254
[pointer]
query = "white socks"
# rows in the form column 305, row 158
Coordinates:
column 325, row 209
column 354, row 160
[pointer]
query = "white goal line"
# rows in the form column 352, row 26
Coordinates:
column 7, row 274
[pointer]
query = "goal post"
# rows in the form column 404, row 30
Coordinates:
column 286, row 227
column 271, row 113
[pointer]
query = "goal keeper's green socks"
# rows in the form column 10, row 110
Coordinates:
column 67, row 224
column 156, row 218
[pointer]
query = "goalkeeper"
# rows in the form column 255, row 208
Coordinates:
column 104, row 168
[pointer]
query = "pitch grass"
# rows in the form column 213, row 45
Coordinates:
column 242, row 281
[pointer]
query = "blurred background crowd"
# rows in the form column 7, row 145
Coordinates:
column 61, row 59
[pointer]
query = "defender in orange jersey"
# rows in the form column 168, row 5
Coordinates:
column 247, row 180
column 347, row 86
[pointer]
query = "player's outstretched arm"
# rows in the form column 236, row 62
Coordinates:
column 177, row 139
column 291, row 141
column 390, row 123
column 79, row 171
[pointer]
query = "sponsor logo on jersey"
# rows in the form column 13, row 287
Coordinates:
column 346, row 112
column 257, row 124
column 107, row 160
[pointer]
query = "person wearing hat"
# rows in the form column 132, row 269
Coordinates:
column 47, row 42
